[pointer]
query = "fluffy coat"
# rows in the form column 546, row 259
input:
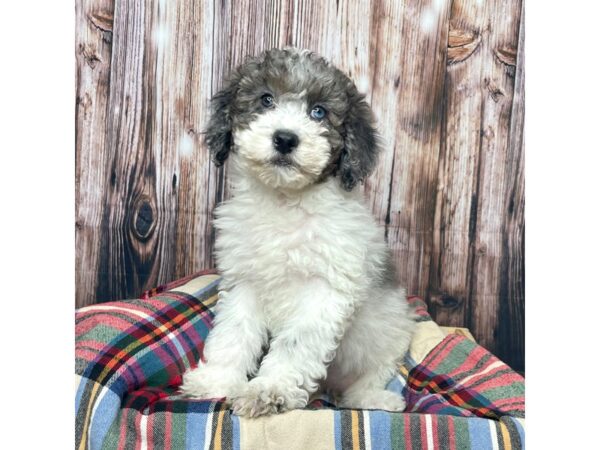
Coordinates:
column 308, row 299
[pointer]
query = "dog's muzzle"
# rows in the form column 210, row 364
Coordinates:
column 285, row 141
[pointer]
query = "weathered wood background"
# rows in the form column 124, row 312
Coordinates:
column 445, row 78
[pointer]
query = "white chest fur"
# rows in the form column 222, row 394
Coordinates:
column 277, row 240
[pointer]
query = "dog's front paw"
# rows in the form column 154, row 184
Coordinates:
column 208, row 382
column 263, row 397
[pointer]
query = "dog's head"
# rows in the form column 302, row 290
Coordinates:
column 291, row 119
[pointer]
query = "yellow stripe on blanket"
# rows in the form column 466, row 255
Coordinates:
column 218, row 431
column 505, row 436
column 403, row 371
column 355, row 436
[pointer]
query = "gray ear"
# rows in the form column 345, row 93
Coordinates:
column 361, row 143
column 218, row 134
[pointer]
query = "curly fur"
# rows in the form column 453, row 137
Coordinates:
column 308, row 299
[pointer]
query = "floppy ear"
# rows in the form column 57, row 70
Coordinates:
column 218, row 135
column 361, row 143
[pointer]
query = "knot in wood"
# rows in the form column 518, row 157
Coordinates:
column 461, row 45
column 90, row 54
column 102, row 20
column 445, row 300
column 143, row 219
column 495, row 91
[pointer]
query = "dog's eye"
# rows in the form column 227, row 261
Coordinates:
column 267, row 100
column 318, row 113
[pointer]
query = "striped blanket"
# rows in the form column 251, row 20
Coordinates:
column 130, row 356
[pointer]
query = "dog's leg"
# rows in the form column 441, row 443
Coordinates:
column 368, row 391
column 370, row 351
column 300, row 350
column 232, row 349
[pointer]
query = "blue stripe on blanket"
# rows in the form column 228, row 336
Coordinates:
column 381, row 425
column 106, row 412
column 337, row 430
column 195, row 429
column 396, row 385
column 479, row 433
column 235, row 421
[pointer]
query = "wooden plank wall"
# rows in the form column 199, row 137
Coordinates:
column 445, row 78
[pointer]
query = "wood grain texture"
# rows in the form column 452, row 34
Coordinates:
column 93, row 48
column 475, row 172
column 497, row 172
column 419, row 88
column 445, row 79
column 510, row 336
column 129, row 221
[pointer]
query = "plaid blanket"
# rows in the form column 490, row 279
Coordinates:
column 130, row 356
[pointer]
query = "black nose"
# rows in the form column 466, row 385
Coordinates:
column 285, row 141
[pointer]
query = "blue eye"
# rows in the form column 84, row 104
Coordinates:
column 267, row 100
column 318, row 113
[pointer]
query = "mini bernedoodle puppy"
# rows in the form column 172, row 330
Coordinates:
column 308, row 299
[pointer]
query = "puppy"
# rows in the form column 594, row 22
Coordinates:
column 308, row 298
